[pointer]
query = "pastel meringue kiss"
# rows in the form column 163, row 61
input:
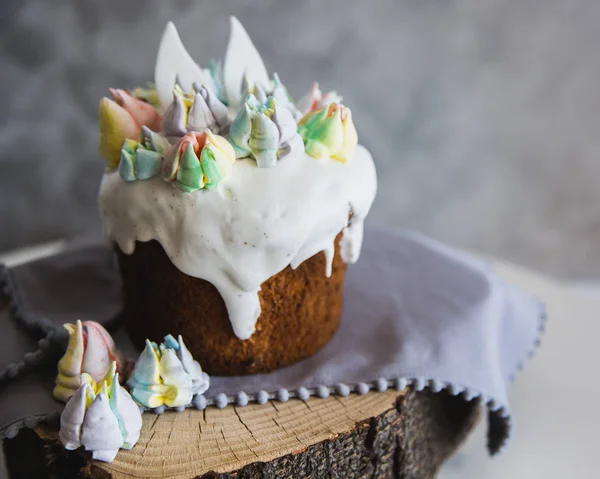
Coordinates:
column 120, row 119
column 167, row 375
column 194, row 112
column 265, row 131
column 315, row 99
column 90, row 350
column 198, row 160
column 147, row 94
column 275, row 88
column 102, row 417
column 142, row 160
column 213, row 75
column 329, row 132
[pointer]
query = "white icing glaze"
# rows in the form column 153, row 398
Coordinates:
column 257, row 222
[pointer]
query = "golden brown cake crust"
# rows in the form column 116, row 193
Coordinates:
column 301, row 310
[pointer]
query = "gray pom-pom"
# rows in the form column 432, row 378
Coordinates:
column 31, row 422
column 436, row 386
column 418, row 384
column 283, row 395
column 323, row 392
column 30, row 358
column 381, row 385
column 400, row 384
column 262, row 397
column 303, row 394
column 362, row 388
column 12, row 370
column 199, row 402
column 469, row 394
column 221, row 400
column 241, row 399
column 342, row 390
column 454, row 389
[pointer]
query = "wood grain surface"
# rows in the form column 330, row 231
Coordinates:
column 377, row 435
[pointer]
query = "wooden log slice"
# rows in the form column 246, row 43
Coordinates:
column 387, row 434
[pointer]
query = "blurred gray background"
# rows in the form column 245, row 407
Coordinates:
column 483, row 115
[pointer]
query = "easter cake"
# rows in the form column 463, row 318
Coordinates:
column 233, row 210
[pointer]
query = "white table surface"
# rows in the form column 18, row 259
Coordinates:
column 554, row 401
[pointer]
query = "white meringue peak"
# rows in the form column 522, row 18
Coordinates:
column 102, row 417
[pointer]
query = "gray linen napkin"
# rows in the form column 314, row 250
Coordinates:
column 416, row 313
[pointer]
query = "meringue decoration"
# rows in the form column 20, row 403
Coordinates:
column 102, row 417
column 120, row 119
column 216, row 81
column 200, row 380
column 143, row 113
column 329, row 132
column 90, row 350
column 242, row 60
column 273, row 88
column 167, row 375
column 198, row 160
column 315, row 99
column 174, row 65
column 264, row 131
column 147, row 94
column 142, row 160
column 194, row 112
column 116, row 125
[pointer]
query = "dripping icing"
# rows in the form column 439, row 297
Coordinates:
column 257, row 222
column 329, row 253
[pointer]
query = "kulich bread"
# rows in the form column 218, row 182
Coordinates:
column 228, row 205
column 301, row 310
